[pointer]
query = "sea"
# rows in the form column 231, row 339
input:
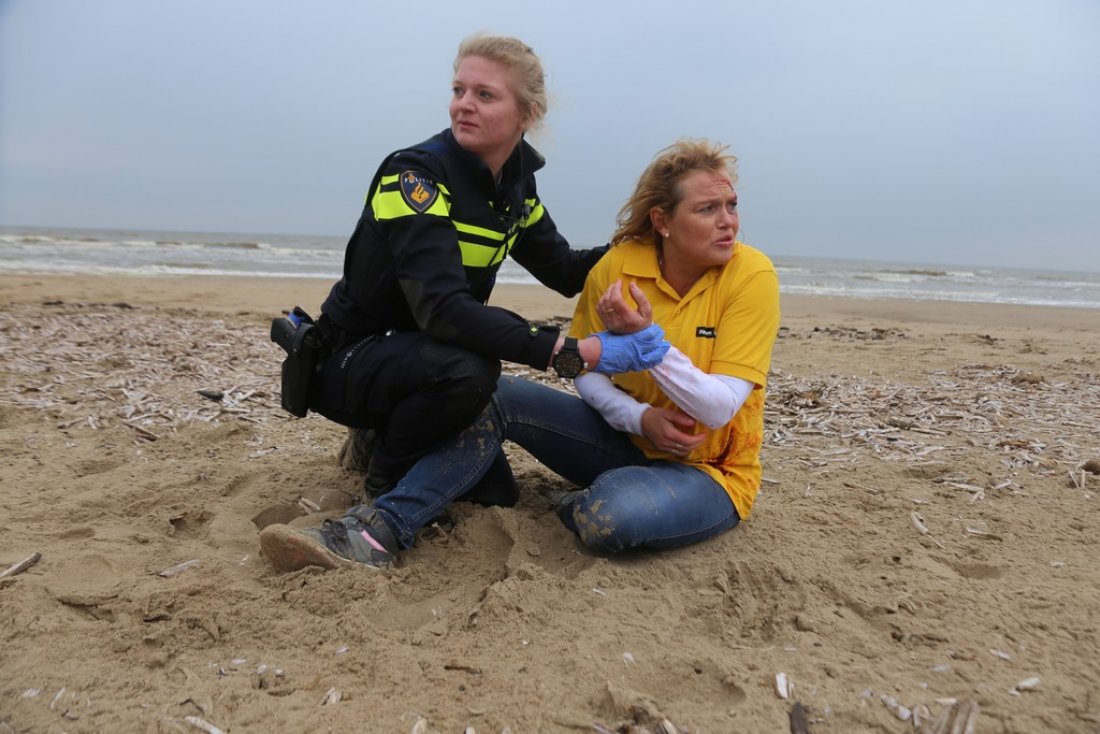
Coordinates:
column 144, row 252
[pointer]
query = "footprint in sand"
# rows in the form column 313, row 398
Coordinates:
column 84, row 581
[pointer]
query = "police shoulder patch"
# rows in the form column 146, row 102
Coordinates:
column 418, row 191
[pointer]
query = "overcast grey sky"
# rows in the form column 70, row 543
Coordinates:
column 939, row 131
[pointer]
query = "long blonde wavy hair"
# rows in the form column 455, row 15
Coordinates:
column 659, row 186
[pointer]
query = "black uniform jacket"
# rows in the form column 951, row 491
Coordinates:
column 427, row 248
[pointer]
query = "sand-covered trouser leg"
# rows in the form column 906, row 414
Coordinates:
column 566, row 434
column 666, row 504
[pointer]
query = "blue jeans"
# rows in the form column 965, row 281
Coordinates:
column 628, row 501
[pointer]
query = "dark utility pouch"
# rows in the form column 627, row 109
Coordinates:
column 298, row 335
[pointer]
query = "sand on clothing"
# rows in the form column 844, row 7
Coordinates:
column 925, row 544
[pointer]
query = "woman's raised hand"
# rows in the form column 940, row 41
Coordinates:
column 617, row 315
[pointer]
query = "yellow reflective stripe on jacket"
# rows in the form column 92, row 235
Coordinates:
column 476, row 255
column 537, row 210
column 491, row 250
column 488, row 234
column 388, row 203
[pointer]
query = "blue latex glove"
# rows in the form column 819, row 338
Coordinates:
column 631, row 352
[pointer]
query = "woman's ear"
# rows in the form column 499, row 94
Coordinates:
column 658, row 219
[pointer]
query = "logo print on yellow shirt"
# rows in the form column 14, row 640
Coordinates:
column 706, row 332
column 418, row 191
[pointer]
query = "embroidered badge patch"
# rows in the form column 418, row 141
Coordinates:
column 417, row 191
column 706, row 332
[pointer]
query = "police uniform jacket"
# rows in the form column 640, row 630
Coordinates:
column 426, row 250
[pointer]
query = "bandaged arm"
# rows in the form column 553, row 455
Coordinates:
column 710, row 399
column 621, row 411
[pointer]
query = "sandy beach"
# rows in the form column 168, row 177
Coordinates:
column 923, row 551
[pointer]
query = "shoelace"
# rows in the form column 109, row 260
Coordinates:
column 335, row 535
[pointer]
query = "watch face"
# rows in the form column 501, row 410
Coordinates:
column 568, row 364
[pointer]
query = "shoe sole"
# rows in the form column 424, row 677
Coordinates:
column 288, row 550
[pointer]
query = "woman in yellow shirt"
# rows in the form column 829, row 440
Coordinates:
column 678, row 320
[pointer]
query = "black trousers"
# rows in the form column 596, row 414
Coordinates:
column 414, row 391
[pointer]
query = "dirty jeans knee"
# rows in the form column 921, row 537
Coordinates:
column 664, row 505
column 605, row 527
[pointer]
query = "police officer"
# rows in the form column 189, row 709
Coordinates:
column 415, row 350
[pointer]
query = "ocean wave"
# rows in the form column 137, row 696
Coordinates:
column 279, row 251
column 937, row 295
column 918, row 271
column 137, row 243
column 236, row 245
column 890, row 276
column 69, row 241
column 23, row 267
column 301, row 256
column 34, row 239
column 211, row 245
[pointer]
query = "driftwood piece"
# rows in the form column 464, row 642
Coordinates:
column 308, row 505
column 143, row 432
column 22, row 566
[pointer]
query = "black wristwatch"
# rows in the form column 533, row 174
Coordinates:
column 568, row 361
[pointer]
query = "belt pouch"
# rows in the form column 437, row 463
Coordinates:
column 302, row 343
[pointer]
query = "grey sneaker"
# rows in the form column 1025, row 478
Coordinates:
column 354, row 541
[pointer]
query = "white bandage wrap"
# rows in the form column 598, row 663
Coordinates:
column 621, row 411
column 712, row 400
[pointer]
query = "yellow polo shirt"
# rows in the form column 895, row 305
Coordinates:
column 726, row 324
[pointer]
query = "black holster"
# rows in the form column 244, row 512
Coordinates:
column 299, row 336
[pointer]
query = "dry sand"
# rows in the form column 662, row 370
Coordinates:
column 927, row 534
